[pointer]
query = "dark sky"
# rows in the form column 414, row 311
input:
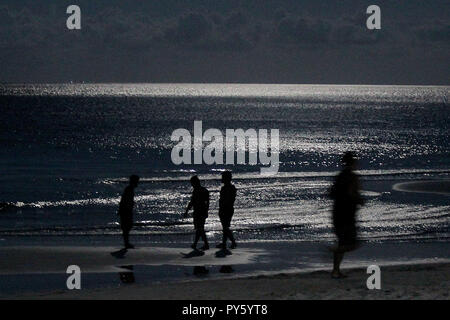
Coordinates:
column 251, row 41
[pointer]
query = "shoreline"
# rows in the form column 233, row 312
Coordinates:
column 441, row 187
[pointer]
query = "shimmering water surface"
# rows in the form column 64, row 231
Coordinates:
column 66, row 150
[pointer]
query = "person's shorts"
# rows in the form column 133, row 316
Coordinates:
column 225, row 220
column 199, row 222
column 346, row 235
column 126, row 224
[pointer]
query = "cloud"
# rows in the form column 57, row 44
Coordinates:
column 439, row 32
column 303, row 31
column 289, row 36
column 5, row 17
column 190, row 28
column 236, row 20
column 208, row 30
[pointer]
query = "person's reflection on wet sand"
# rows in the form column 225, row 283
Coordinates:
column 128, row 276
column 200, row 271
column 226, row 269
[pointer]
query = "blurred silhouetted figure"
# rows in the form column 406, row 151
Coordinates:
column 126, row 210
column 226, row 209
column 200, row 203
column 346, row 196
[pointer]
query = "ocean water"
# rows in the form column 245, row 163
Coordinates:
column 66, row 152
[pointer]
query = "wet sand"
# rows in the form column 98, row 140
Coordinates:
column 261, row 271
column 46, row 259
column 427, row 281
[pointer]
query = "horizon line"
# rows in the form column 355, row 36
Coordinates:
column 222, row 83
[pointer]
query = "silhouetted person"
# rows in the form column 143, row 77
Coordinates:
column 126, row 210
column 226, row 209
column 200, row 203
column 346, row 196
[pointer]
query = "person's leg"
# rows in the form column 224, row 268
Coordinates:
column 224, row 236
column 127, row 239
column 338, row 256
column 337, row 259
column 228, row 233
column 205, row 240
column 224, row 233
column 225, row 225
column 231, row 237
column 346, row 242
column 197, row 233
column 124, row 231
column 196, row 238
column 126, row 235
column 338, row 251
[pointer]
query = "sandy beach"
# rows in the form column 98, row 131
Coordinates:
column 426, row 281
column 266, row 271
column 201, row 154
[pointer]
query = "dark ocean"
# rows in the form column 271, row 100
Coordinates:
column 66, row 151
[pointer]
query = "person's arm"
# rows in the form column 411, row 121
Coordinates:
column 361, row 200
column 207, row 200
column 123, row 202
column 356, row 191
column 189, row 207
column 221, row 199
column 119, row 211
column 332, row 192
